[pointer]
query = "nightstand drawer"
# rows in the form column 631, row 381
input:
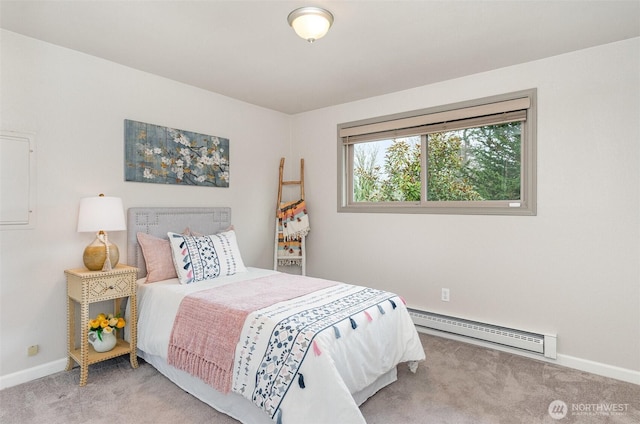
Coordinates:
column 104, row 289
column 95, row 286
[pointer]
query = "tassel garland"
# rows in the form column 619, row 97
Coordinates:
column 316, row 349
column 336, row 331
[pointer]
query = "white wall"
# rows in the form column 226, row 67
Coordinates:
column 572, row 270
column 76, row 105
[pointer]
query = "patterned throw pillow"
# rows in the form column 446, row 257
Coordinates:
column 198, row 258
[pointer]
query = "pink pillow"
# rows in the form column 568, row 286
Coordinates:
column 158, row 258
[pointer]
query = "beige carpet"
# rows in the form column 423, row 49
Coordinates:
column 458, row 384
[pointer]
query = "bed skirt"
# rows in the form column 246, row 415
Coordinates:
column 235, row 405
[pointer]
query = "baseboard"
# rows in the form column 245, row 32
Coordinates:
column 31, row 374
column 598, row 368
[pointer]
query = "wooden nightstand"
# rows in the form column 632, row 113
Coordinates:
column 85, row 287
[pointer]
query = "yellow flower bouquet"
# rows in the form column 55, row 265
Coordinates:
column 106, row 323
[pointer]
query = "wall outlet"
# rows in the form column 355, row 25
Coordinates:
column 32, row 350
column 445, row 295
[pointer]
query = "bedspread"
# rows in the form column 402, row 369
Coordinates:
column 300, row 359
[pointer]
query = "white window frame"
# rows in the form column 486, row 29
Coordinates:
column 489, row 109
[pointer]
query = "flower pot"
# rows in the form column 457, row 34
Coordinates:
column 107, row 343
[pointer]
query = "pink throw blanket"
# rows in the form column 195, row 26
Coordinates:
column 208, row 324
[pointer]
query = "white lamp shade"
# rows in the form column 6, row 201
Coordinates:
column 310, row 23
column 101, row 213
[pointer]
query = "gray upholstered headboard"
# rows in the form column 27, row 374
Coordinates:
column 158, row 221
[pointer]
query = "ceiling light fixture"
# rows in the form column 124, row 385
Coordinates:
column 310, row 23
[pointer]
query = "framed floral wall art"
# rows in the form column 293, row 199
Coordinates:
column 162, row 155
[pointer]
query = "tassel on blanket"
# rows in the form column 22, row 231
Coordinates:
column 336, row 331
column 403, row 301
column 393, row 304
column 316, row 349
column 279, row 417
column 290, row 262
column 353, row 323
column 368, row 316
column 381, row 309
column 301, row 381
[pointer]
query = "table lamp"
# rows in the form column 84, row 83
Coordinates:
column 101, row 214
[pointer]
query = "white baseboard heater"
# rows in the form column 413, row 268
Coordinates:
column 532, row 342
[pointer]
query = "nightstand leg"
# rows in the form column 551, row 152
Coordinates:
column 133, row 358
column 70, row 332
column 133, row 326
column 84, row 373
column 84, row 344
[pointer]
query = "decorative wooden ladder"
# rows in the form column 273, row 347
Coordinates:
column 282, row 182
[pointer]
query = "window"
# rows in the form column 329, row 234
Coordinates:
column 476, row 157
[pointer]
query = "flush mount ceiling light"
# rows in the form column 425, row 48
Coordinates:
column 310, row 23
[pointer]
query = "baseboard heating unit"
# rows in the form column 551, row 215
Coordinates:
column 532, row 342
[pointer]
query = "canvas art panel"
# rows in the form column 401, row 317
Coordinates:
column 163, row 155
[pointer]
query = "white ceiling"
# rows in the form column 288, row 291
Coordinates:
column 246, row 49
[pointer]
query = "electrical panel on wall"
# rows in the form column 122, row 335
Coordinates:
column 17, row 180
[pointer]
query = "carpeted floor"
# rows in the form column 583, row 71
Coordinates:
column 458, row 384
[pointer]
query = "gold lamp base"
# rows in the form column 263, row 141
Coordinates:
column 95, row 255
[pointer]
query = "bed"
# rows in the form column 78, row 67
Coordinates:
column 312, row 356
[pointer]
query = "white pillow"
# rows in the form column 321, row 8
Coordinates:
column 198, row 258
